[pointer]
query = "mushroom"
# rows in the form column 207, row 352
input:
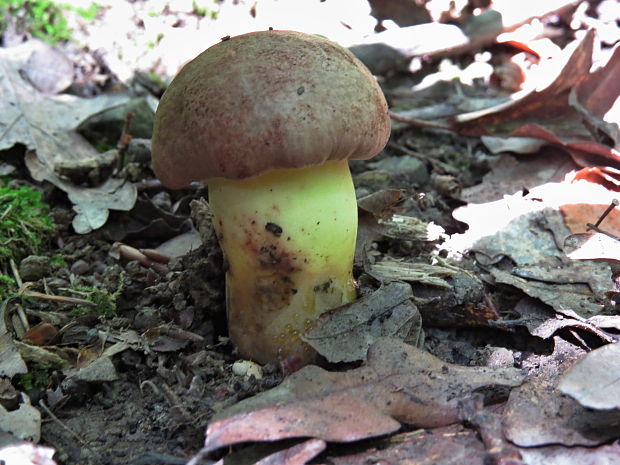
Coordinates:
column 269, row 119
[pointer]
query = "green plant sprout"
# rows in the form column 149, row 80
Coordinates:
column 38, row 375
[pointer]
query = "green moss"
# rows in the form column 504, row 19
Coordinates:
column 58, row 262
column 104, row 300
column 8, row 287
column 24, row 220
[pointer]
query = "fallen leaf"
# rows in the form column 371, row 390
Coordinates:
column 548, row 114
column 445, row 295
column 398, row 383
column 46, row 124
column 594, row 381
column 23, row 422
column 345, row 333
column 382, row 204
column 296, row 455
column 538, row 414
column 452, row 445
column 530, row 235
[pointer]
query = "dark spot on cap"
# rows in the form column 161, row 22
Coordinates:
column 274, row 229
column 301, row 90
column 225, row 38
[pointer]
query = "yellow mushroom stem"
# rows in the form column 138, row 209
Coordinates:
column 288, row 237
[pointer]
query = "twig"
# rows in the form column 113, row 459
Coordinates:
column 23, row 290
column 123, row 142
column 57, row 420
column 418, row 122
column 612, row 205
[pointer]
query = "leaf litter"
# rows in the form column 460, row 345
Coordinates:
column 522, row 274
column 399, row 383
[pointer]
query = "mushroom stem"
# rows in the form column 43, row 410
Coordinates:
column 289, row 238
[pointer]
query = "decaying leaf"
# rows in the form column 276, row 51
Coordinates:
column 382, row 204
column 11, row 361
column 23, row 422
column 548, row 114
column 46, row 124
column 408, row 228
column 452, row 445
column 594, row 381
column 345, row 334
column 445, row 295
column 538, row 414
column 398, row 383
column 531, row 235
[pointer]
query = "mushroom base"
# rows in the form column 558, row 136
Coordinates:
column 288, row 237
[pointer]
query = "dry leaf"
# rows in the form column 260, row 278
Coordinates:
column 399, row 383
column 345, row 334
column 452, row 445
column 46, row 124
column 594, row 381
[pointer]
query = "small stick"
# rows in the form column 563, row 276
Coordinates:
column 123, row 141
column 612, row 205
column 57, row 420
column 418, row 122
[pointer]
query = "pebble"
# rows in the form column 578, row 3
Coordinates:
column 247, row 368
column 34, row 267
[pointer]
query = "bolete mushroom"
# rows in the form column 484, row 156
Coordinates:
column 269, row 119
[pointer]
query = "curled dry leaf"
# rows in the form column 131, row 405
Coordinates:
column 398, row 383
column 549, row 114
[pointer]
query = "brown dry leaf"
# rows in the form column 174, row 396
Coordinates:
column 543, row 102
column 452, row 445
column 511, row 174
column 594, row 381
column 606, row 176
column 546, row 113
column 399, row 383
column 296, row 455
column 382, row 204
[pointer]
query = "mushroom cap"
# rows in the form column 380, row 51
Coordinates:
column 267, row 100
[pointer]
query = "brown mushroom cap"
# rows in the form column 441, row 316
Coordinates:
column 267, row 100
